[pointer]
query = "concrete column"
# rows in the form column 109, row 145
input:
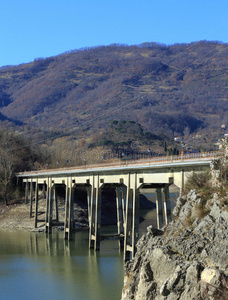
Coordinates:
column 26, row 191
column 47, row 206
column 69, row 210
column 92, row 205
column 50, row 209
column 135, row 221
column 97, row 232
column 159, row 208
column 182, row 184
column 94, row 232
column 56, row 203
column 72, row 207
column 167, row 205
column 119, row 207
column 44, row 190
column 67, row 227
column 128, row 223
column 89, row 200
column 124, row 195
column 36, row 203
column 31, row 197
column 66, row 210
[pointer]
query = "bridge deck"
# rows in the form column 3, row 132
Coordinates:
column 156, row 162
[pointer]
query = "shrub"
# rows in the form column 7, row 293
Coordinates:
column 197, row 181
column 202, row 183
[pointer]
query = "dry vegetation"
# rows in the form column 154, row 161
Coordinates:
column 165, row 89
column 15, row 154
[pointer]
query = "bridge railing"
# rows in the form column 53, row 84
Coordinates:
column 174, row 158
column 127, row 163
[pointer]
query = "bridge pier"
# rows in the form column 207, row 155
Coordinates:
column 26, row 191
column 159, row 209
column 124, row 195
column 132, row 219
column 50, row 209
column 31, row 197
column 95, row 214
column 120, row 215
column 36, row 203
column 49, row 206
column 44, row 190
column 56, row 203
column 128, row 221
column 91, row 213
column 97, row 232
column 167, row 205
column 89, row 204
column 182, row 183
column 69, row 210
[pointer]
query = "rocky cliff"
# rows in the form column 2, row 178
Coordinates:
column 188, row 259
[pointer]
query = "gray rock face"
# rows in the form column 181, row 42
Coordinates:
column 180, row 202
column 226, row 149
column 189, row 260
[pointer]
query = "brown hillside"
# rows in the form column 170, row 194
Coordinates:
column 164, row 88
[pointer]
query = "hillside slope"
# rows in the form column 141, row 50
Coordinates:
column 164, row 88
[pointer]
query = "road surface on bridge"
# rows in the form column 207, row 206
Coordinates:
column 155, row 162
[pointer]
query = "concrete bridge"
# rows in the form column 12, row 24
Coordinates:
column 128, row 178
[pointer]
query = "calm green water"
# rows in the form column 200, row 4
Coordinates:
column 39, row 266
column 33, row 266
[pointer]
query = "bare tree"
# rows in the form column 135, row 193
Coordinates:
column 7, row 168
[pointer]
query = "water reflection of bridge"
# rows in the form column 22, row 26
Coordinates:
column 127, row 178
column 65, row 267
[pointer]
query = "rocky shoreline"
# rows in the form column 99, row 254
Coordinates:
column 188, row 258
column 184, row 260
column 17, row 216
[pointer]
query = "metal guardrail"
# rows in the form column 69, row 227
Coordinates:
column 194, row 157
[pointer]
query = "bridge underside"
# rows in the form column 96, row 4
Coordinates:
column 127, row 186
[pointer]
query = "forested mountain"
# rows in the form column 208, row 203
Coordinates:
column 171, row 90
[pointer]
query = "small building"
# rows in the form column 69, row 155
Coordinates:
column 219, row 144
column 198, row 136
column 178, row 139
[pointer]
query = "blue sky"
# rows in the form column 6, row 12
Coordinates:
column 41, row 28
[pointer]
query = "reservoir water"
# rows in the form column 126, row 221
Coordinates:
column 36, row 266
column 39, row 266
